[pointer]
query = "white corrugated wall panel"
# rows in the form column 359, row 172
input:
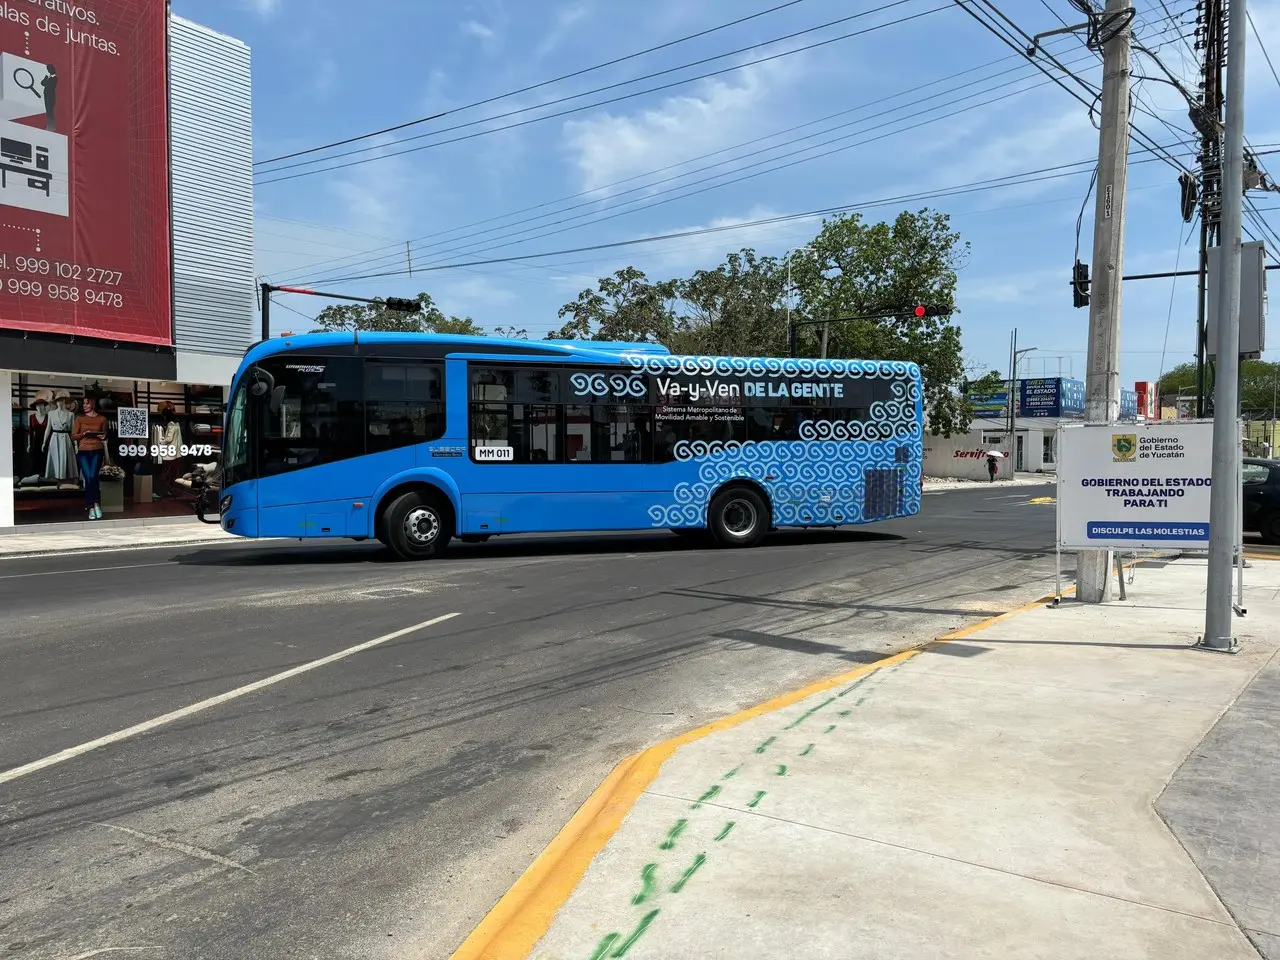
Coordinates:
column 211, row 117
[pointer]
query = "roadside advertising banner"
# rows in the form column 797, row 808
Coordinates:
column 84, row 169
column 1135, row 486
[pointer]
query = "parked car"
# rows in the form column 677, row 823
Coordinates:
column 1262, row 498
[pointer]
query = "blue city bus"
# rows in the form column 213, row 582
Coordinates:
column 414, row 439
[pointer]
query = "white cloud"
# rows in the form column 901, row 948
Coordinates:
column 474, row 28
column 263, row 8
column 722, row 111
column 565, row 19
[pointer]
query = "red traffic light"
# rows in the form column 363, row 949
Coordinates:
column 930, row 310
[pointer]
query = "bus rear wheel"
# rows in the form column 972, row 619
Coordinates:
column 738, row 517
column 417, row 526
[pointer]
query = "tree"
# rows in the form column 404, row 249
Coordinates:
column 627, row 306
column 511, row 333
column 737, row 309
column 1259, row 386
column 858, row 269
column 375, row 316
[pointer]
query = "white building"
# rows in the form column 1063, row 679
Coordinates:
column 963, row 455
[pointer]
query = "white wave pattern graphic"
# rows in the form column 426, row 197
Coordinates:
column 765, row 366
column 818, row 479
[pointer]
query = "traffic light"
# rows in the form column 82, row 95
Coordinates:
column 401, row 305
column 930, row 310
column 1080, row 284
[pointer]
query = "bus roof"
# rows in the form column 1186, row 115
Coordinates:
column 587, row 349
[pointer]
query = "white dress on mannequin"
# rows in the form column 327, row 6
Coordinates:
column 61, row 465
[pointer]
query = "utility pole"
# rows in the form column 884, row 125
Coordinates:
column 1211, row 36
column 265, row 294
column 1013, row 381
column 1102, row 376
column 1224, row 519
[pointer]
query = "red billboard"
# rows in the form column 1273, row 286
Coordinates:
column 84, row 169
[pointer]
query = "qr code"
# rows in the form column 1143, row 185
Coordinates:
column 132, row 423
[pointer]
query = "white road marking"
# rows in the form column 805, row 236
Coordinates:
column 181, row 714
column 53, row 573
column 178, row 846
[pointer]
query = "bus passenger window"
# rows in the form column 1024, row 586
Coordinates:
column 404, row 403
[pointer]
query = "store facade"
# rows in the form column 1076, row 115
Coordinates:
column 126, row 283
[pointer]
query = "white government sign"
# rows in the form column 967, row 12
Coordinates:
column 1135, row 486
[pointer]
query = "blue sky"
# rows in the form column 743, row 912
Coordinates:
column 326, row 70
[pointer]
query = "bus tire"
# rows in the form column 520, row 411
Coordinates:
column 738, row 517
column 418, row 526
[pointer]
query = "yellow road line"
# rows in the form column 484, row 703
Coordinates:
column 523, row 915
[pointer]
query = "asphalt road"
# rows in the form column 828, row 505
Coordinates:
column 376, row 806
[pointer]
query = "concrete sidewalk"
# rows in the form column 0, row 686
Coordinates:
column 107, row 535
column 992, row 796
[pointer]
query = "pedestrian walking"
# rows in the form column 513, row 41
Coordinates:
column 992, row 467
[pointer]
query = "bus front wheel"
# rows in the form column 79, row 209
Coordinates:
column 738, row 517
column 417, row 526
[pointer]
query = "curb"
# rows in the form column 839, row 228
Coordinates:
column 120, row 548
column 523, row 915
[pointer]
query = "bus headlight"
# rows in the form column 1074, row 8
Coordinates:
column 224, row 505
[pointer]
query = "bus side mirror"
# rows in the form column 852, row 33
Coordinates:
column 261, row 383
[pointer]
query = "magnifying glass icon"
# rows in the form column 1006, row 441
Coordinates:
column 30, row 84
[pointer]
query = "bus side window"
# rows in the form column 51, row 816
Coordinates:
column 404, row 403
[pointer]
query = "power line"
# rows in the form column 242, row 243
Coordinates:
column 648, row 202
column 745, row 144
column 1263, row 47
column 600, row 103
column 532, row 87
column 995, row 29
column 1009, row 180
column 370, row 255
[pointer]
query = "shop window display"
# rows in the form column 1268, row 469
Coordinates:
column 89, row 450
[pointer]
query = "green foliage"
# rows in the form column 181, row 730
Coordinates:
column 375, row 316
column 626, row 306
column 856, row 269
column 1259, row 380
column 737, row 309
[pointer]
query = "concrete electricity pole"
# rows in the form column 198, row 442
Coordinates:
column 1102, row 378
column 1224, row 523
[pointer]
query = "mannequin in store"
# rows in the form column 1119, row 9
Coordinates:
column 60, row 463
column 37, row 420
column 171, row 442
column 89, row 433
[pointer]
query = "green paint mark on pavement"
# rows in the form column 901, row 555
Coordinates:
column 765, row 746
column 729, row 775
column 636, row 934
column 755, row 801
column 829, row 729
column 647, row 884
column 673, row 835
column 685, row 877
column 845, row 713
column 782, row 770
column 861, row 701
column 725, row 832
column 808, row 713
column 602, row 948
column 807, row 750
column 711, row 792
